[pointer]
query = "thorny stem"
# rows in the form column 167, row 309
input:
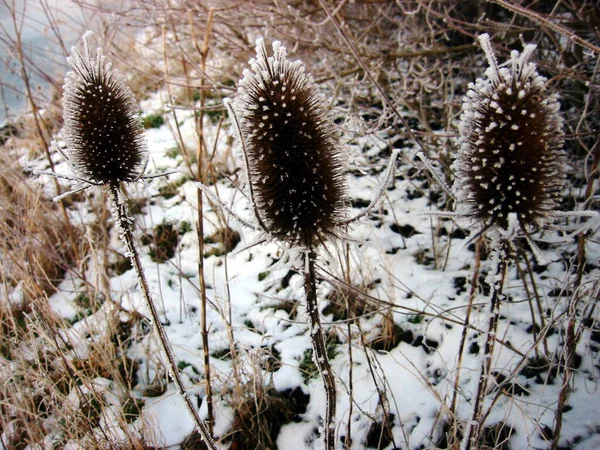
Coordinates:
column 319, row 348
column 474, row 427
column 121, row 214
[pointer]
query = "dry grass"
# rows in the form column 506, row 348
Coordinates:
column 35, row 238
column 50, row 392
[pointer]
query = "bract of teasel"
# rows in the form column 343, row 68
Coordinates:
column 103, row 130
column 510, row 161
column 295, row 165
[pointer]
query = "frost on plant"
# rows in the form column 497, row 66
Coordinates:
column 295, row 168
column 510, row 160
column 103, row 131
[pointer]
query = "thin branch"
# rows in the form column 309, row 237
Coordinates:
column 545, row 22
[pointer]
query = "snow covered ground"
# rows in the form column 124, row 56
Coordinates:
column 410, row 276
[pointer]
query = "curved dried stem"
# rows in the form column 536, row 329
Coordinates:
column 236, row 123
column 463, row 337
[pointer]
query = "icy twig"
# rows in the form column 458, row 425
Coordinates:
column 384, row 183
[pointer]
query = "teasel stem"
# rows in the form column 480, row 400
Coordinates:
column 125, row 224
column 295, row 171
column 474, row 427
column 320, row 348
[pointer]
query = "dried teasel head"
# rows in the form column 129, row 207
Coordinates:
column 103, row 130
column 294, row 162
column 510, row 161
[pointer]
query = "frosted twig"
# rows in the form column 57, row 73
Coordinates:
column 383, row 186
column 423, row 157
column 224, row 206
column 554, row 27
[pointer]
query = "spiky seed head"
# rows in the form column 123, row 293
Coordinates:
column 294, row 157
column 510, row 158
column 103, row 130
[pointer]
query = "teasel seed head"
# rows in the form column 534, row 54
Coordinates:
column 510, row 159
column 295, row 166
column 103, row 130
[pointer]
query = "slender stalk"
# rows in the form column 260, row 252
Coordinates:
column 125, row 222
column 546, row 23
column 348, row 443
column 533, row 296
column 199, row 116
column 177, row 129
column 473, row 431
column 346, row 265
column 565, row 389
column 463, row 337
column 320, row 348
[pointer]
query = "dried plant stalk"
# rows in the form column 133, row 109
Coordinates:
column 509, row 175
column 295, row 177
column 107, row 147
